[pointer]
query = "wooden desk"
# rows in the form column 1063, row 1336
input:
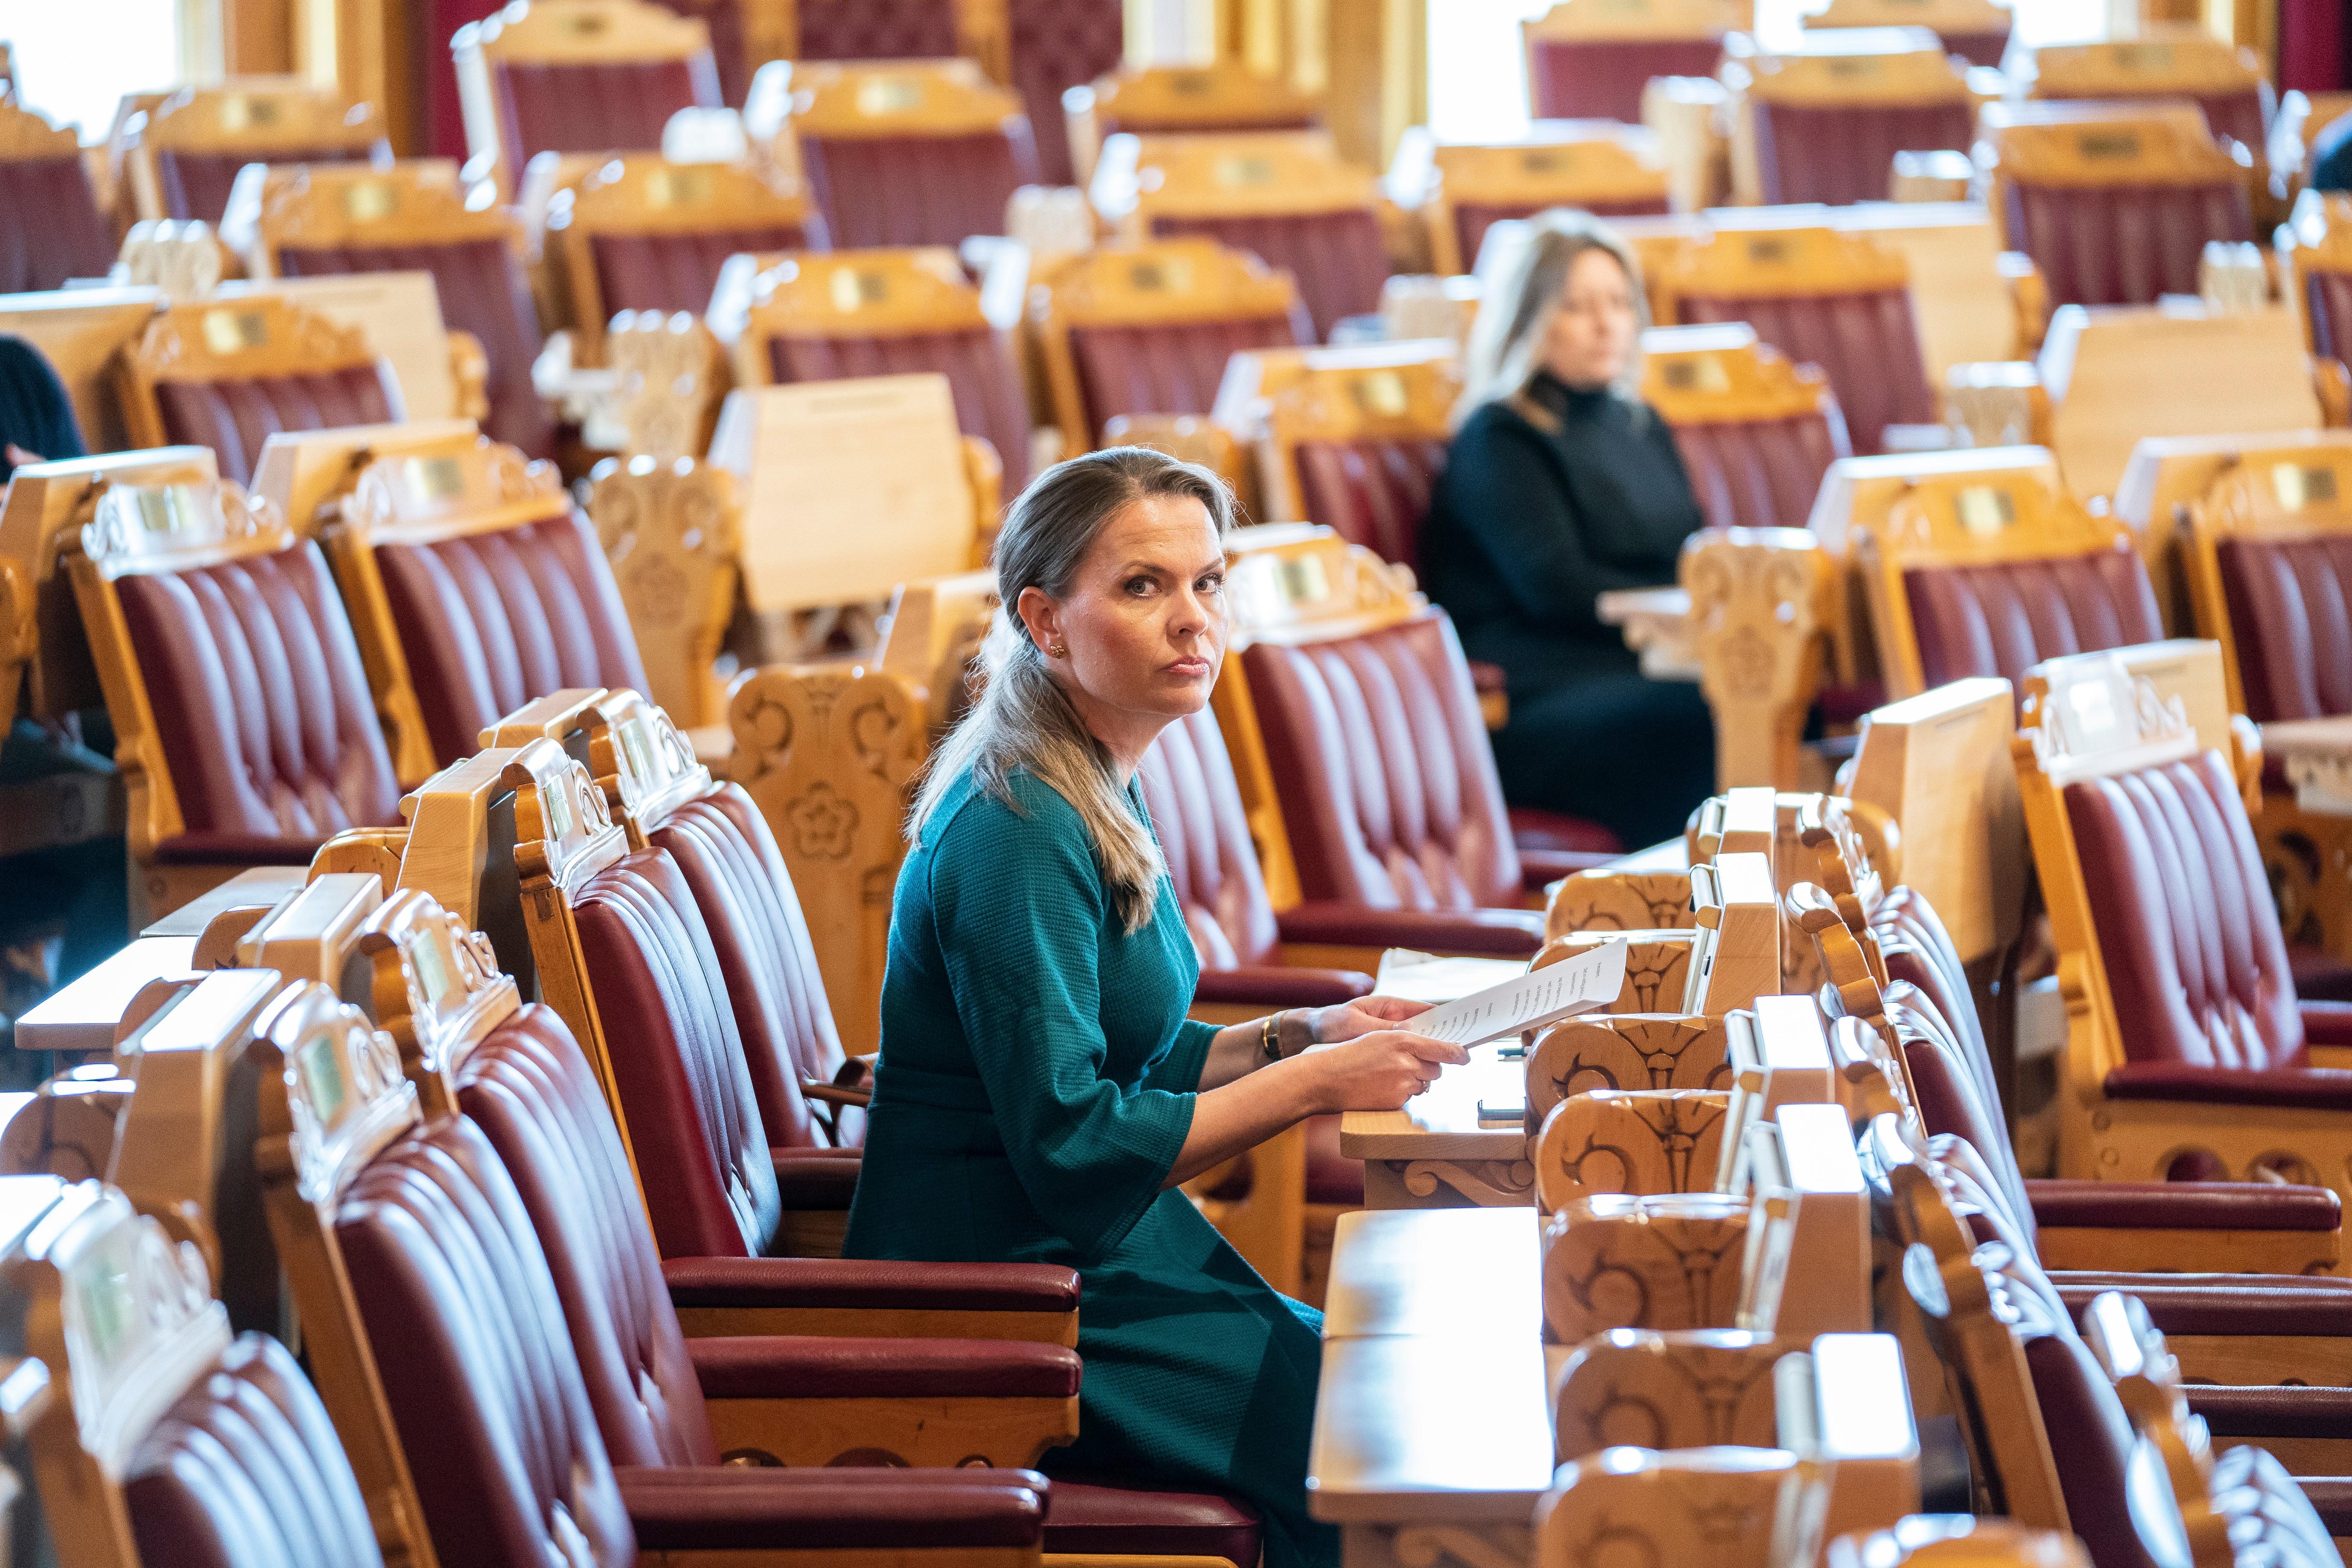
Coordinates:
column 1436, row 1153
column 255, row 888
column 83, row 1015
column 2318, row 757
column 1433, row 1425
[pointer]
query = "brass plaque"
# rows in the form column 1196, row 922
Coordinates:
column 2108, row 145
column 1545, row 160
column 1244, row 172
column 432, row 480
column 233, row 331
column 1192, row 84
column 1768, row 252
column 240, row 112
column 583, row 23
column 432, row 970
column 1303, row 581
column 1160, row 277
column 1380, row 393
column 2297, row 487
column 1855, row 65
column 889, row 95
column 852, row 289
column 170, row 509
column 369, row 200
column 323, row 1081
column 677, row 187
column 2143, row 57
column 1698, row 374
column 1985, row 510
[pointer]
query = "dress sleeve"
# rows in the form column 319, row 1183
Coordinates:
column 1179, row 1070
column 1020, row 907
column 1507, row 497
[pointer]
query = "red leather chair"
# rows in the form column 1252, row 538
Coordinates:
column 1340, row 258
column 1375, row 493
column 187, row 158
column 1149, row 330
column 2285, row 598
column 2166, row 61
column 1841, row 301
column 1058, row 45
column 923, row 152
column 1178, row 100
column 2002, row 618
column 1355, row 439
column 567, row 80
column 1602, row 78
column 1820, row 119
column 329, row 221
column 2116, row 207
column 50, row 227
column 913, row 312
column 1756, row 432
column 1845, row 155
column 1464, row 189
column 229, row 376
column 2325, row 286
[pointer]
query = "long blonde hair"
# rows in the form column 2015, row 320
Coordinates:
column 1022, row 718
column 1506, row 341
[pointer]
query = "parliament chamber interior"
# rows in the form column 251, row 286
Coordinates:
column 498, row 523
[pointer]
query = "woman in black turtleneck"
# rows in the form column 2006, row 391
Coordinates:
column 1561, row 485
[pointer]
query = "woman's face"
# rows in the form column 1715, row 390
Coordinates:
column 1143, row 624
column 1592, row 333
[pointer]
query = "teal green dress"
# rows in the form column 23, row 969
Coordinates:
column 1036, row 1084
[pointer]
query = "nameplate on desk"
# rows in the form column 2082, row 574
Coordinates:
column 1529, row 1001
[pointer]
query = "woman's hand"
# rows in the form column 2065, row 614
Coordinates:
column 1379, row 1071
column 1331, row 1026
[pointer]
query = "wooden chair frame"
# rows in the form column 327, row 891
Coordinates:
column 2318, row 238
column 1567, row 164
column 1943, row 18
column 253, row 116
column 1167, row 281
column 1777, row 263
column 263, row 334
column 2164, row 61
column 2129, row 1140
column 1832, row 67
column 1225, row 174
column 2093, row 146
column 850, row 99
column 1177, row 100
column 574, row 32
column 1576, row 20
column 673, row 533
column 1398, row 393
column 328, row 205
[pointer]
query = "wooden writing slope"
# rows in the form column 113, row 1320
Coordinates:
column 2167, row 475
column 850, row 489
column 79, row 332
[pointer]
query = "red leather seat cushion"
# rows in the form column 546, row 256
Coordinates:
column 2282, row 1089
column 1331, row 1176
column 50, row 227
column 1058, row 45
column 1552, row 832
column 234, row 417
column 918, row 190
column 672, row 273
column 196, row 184
column 483, row 292
column 694, row 1122
column 1846, row 153
column 2003, row 619
column 1089, row 1515
column 492, row 621
column 1374, row 492
column 983, row 378
column 728, row 858
column 1762, row 473
column 2122, row 244
column 1603, row 79
column 2186, row 924
column 2090, row 1440
column 533, row 1095
column 1473, row 219
column 1338, row 258
column 265, row 720
column 1389, row 789
column 1172, row 369
column 245, row 1471
column 1867, row 344
column 1195, row 804
column 477, row 1366
column 619, row 107
column 2187, row 1206
column 2290, row 615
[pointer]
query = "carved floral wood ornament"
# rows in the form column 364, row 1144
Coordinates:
column 1687, row 1389
column 1622, row 1261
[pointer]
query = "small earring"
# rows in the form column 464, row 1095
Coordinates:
column 1058, row 651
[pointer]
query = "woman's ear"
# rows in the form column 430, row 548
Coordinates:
column 1041, row 616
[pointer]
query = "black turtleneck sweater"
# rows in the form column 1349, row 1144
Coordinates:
column 1548, row 500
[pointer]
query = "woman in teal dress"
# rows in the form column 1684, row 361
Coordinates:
column 1039, row 1093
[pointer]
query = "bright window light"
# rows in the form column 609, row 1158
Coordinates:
column 76, row 60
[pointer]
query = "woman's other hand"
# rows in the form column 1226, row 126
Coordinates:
column 1380, row 1070
column 1332, row 1026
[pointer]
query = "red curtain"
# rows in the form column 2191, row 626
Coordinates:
column 2312, row 36
column 444, row 126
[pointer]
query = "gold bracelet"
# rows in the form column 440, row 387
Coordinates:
column 1269, row 1036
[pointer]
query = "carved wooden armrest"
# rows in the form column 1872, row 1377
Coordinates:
column 469, row 371
column 1655, row 623
column 1657, row 965
column 1644, row 1142
column 1691, row 1388
column 1620, row 1261
column 1999, row 402
column 1624, row 1050
column 672, row 374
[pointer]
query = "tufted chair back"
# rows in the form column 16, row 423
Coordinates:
column 1844, row 153
column 1169, row 368
column 677, row 1062
column 532, row 1094
column 244, row 1468
column 878, row 30
column 670, row 273
column 1602, row 78
column 1339, row 258
column 234, row 416
column 483, row 292
column 2327, row 309
column 2187, row 931
column 982, row 377
column 2122, row 244
column 1373, row 492
column 611, row 106
column 1196, row 809
column 477, row 1367
column 490, row 620
column 50, row 227
column 1391, row 799
column 2003, row 617
column 195, row 184
column 267, row 727
column 918, row 190
column 1058, row 45
column 1866, row 341
column 1765, row 473
column 724, row 849
column 2291, row 621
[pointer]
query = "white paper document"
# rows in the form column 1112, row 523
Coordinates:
column 1424, row 977
column 1582, row 985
